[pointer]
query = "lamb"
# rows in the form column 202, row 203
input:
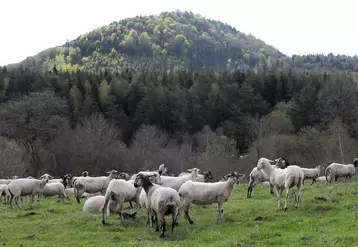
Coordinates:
column 201, row 193
column 95, row 205
column 92, row 184
column 283, row 178
column 52, row 189
column 312, row 173
column 122, row 191
column 4, row 193
column 336, row 170
column 176, row 182
column 161, row 201
column 23, row 187
column 205, row 177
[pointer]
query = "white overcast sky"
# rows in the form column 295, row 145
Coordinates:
column 292, row 26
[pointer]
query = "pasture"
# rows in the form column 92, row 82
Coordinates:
column 327, row 217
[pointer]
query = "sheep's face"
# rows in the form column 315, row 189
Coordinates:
column 85, row 173
column 155, row 178
column 261, row 164
column 124, row 176
column 163, row 169
column 235, row 177
column 140, row 180
column 355, row 162
column 46, row 176
column 208, row 175
column 43, row 183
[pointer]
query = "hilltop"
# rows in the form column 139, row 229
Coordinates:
column 176, row 40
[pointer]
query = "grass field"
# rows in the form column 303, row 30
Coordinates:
column 327, row 217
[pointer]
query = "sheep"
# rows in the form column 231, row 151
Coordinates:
column 23, row 187
column 52, row 189
column 124, row 175
column 201, row 193
column 161, row 201
column 205, row 177
column 321, row 179
column 176, row 182
column 92, row 184
column 122, row 191
column 336, row 170
column 283, row 178
column 69, row 179
column 47, row 177
column 4, row 193
column 95, row 204
column 311, row 173
column 163, row 169
column 257, row 176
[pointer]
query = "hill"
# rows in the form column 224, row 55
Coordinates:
column 176, row 40
column 324, row 218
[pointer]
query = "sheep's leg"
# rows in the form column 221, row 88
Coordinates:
column 163, row 225
column 220, row 211
column 279, row 192
column 152, row 220
column 11, row 199
column 271, row 189
column 174, row 219
column 313, row 181
column 156, row 223
column 31, row 200
column 298, row 199
column 104, row 209
column 186, row 211
column 287, row 192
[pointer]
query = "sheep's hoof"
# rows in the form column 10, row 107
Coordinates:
column 157, row 229
column 104, row 222
column 191, row 222
column 285, row 209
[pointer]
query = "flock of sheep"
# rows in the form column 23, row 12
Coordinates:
column 161, row 195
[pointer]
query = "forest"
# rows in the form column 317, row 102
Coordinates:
column 61, row 122
column 175, row 88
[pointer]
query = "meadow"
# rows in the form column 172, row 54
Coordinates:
column 327, row 217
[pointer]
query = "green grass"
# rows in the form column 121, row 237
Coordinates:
column 247, row 222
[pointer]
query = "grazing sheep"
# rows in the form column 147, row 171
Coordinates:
column 95, row 204
column 23, row 187
column 52, row 189
column 312, row 173
column 336, row 170
column 205, row 177
column 176, row 182
column 283, row 178
column 200, row 193
column 92, row 184
column 4, row 193
column 161, row 201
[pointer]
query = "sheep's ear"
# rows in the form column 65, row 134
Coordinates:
column 189, row 170
column 41, row 177
column 50, row 177
column 242, row 176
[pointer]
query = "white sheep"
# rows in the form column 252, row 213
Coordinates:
column 47, row 177
column 283, row 178
column 176, row 182
column 321, row 179
column 257, row 176
column 5, row 181
column 205, row 177
column 24, row 187
column 92, row 184
column 52, row 189
column 161, row 201
column 122, row 191
column 95, row 204
column 336, row 170
column 201, row 193
column 4, row 193
column 312, row 173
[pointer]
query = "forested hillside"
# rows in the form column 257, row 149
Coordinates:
column 59, row 121
column 176, row 40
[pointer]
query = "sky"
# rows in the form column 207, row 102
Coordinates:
column 292, row 26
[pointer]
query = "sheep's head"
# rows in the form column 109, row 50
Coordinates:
column 235, row 177
column 43, row 182
column 124, row 175
column 47, row 177
column 263, row 161
column 155, row 178
column 194, row 172
column 15, row 177
column 355, row 162
column 208, row 175
column 85, row 173
column 281, row 163
column 112, row 173
column 140, row 180
column 162, row 169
